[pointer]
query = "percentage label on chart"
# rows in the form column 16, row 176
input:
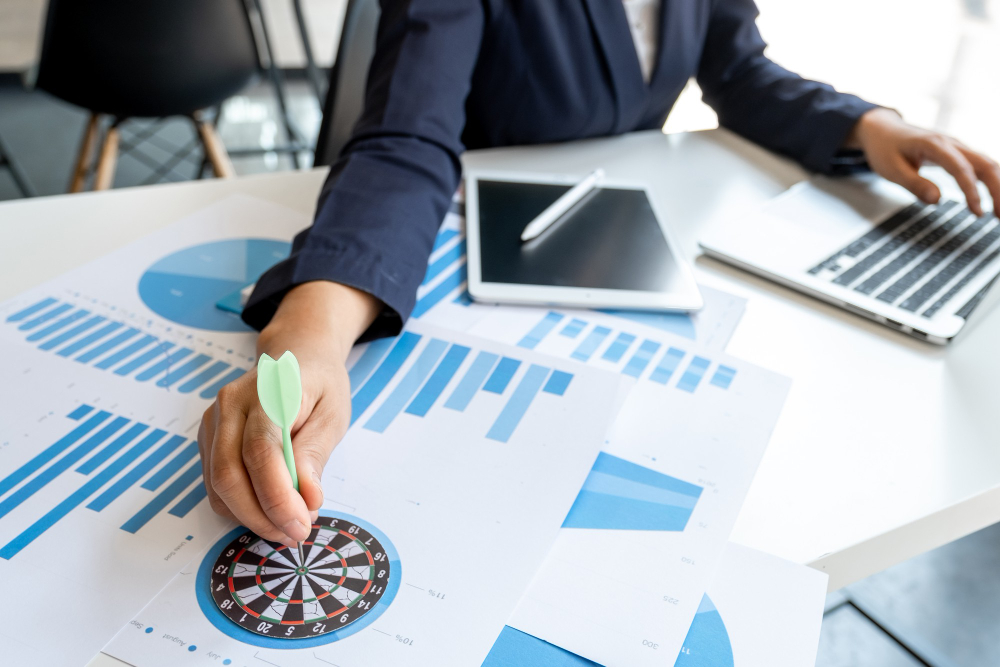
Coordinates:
column 404, row 640
column 436, row 594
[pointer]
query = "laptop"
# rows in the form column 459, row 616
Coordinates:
column 869, row 246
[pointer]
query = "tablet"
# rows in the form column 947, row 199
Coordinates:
column 610, row 251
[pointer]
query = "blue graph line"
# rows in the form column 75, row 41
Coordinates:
column 50, row 452
column 95, row 352
column 50, row 518
column 31, row 310
column 383, row 374
column 540, row 330
column 137, row 473
column 95, row 461
column 174, row 489
column 407, row 387
column 56, row 341
column 723, row 377
column 471, row 382
column 438, row 381
column 618, row 347
column 637, row 364
column 692, row 376
column 501, row 377
column 586, row 349
column 668, row 364
column 518, row 403
column 78, row 345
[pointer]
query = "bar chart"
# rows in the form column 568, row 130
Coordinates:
column 629, row 353
column 75, row 332
column 447, row 375
column 111, row 456
column 621, row 495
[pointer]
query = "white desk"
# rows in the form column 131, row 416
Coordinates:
column 887, row 446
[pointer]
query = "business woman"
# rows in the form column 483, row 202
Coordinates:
column 454, row 74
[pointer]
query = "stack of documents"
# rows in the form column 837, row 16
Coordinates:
column 532, row 486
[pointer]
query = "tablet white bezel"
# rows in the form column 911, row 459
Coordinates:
column 685, row 297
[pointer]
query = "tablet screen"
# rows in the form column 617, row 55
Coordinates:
column 610, row 240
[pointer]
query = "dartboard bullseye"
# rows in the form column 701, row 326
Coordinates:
column 265, row 588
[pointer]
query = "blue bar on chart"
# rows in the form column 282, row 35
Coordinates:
column 31, row 310
column 540, row 330
column 463, row 299
column 621, row 495
column 170, row 467
column 45, row 317
column 50, row 518
column 678, row 323
column 203, row 377
column 558, row 383
column 407, row 387
column 98, row 459
column 138, row 472
column 637, row 364
column 39, row 481
column 668, row 364
column 573, row 329
column 183, row 370
column 125, row 352
column 188, row 502
column 593, row 340
column 107, row 346
column 518, row 403
column 368, row 361
column 692, row 376
column 446, row 259
column 618, row 347
column 67, row 336
column 472, row 381
column 78, row 345
column 502, row 375
column 723, row 377
column 440, row 291
column 50, row 452
column 443, row 237
column 213, row 389
column 81, row 411
column 165, row 497
column 435, row 385
column 163, row 365
column 370, row 390
column 59, row 324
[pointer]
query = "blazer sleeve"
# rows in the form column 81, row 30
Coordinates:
column 763, row 101
column 388, row 192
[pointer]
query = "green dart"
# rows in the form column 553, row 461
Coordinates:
column 279, row 387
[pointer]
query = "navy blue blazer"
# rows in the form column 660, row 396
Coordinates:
column 448, row 75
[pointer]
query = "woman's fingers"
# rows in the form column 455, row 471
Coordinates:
column 313, row 444
column 229, row 481
column 264, row 461
column 943, row 152
column 902, row 171
column 987, row 170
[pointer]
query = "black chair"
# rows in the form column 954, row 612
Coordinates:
column 146, row 58
column 345, row 97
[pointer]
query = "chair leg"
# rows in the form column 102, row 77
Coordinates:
column 109, row 158
column 84, row 156
column 215, row 151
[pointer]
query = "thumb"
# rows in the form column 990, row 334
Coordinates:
column 905, row 173
column 312, row 446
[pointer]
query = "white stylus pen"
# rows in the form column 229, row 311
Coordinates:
column 556, row 210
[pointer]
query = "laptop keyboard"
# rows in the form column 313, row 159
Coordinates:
column 914, row 254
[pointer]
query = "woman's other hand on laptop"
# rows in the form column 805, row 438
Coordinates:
column 895, row 150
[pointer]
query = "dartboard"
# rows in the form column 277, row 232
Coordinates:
column 266, row 588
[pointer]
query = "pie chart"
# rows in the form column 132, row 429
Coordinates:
column 184, row 286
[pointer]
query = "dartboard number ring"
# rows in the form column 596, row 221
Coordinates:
column 263, row 587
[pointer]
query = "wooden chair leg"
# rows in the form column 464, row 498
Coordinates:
column 109, row 158
column 84, row 156
column 215, row 151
